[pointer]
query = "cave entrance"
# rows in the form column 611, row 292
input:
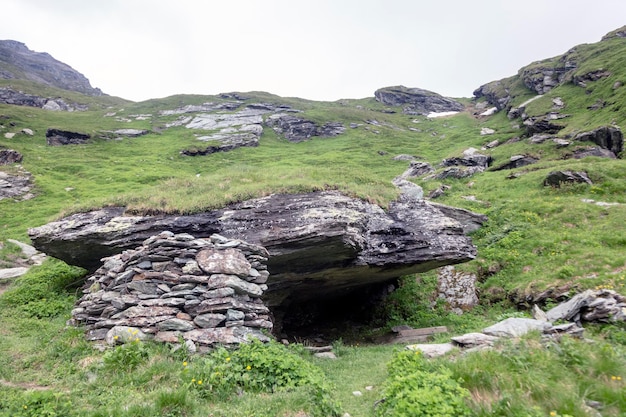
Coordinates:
column 346, row 316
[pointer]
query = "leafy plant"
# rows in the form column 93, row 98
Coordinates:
column 126, row 356
column 257, row 367
column 413, row 390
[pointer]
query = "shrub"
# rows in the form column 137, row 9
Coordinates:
column 43, row 291
column 413, row 390
column 256, row 367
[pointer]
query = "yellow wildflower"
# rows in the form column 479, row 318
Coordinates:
column 199, row 382
column 185, row 363
column 228, row 359
column 248, row 368
column 553, row 413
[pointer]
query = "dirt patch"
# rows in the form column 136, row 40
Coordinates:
column 23, row 385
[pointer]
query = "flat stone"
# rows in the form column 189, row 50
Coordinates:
column 175, row 325
column 474, row 339
column 10, row 273
column 228, row 261
column 124, row 334
column 239, row 285
column 516, row 327
column 432, row 350
column 209, row 320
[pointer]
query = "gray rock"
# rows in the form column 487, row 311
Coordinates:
column 16, row 186
column 517, row 161
column 234, row 315
column 209, row 320
column 596, row 151
column 56, row 137
column 9, row 156
column 607, row 137
column 319, row 242
column 417, row 169
column 470, row 340
column 124, row 334
column 297, row 129
column 416, row 100
column 457, row 288
column 224, row 336
column 556, row 178
column 8, row 274
column 175, row 325
column 43, row 68
column 516, row 327
column 26, row 249
column 325, row 355
column 228, row 261
column 432, row 350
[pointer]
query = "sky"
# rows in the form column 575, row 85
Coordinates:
column 314, row 49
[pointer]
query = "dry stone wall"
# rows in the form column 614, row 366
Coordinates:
column 205, row 291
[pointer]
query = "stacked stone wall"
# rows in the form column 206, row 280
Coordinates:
column 175, row 286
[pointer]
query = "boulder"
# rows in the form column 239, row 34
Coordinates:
column 16, row 186
column 457, row 289
column 516, row 327
column 9, row 156
column 56, row 137
column 607, row 137
column 517, row 161
column 602, row 306
column 470, row 158
column 417, row 101
column 596, row 151
column 319, row 243
column 556, row 178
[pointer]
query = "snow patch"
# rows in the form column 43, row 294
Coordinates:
column 433, row 114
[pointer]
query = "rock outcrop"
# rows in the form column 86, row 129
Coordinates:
column 56, row 137
column 297, row 129
column 416, row 101
column 17, row 186
column 607, row 137
column 319, row 243
column 19, row 62
column 10, row 156
column 205, row 291
column 556, row 178
column 19, row 98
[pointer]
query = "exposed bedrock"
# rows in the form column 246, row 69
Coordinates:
column 320, row 244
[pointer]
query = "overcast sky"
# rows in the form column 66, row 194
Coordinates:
column 314, row 49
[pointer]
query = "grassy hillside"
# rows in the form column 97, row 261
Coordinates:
column 537, row 238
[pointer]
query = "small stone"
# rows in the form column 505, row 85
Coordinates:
column 357, row 393
column 175, row 324
column 325, row 355
column 192, row 268
column 144, row 265
column 209, row 320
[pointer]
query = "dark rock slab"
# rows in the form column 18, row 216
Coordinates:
column 9, row 156
column 56, row 137
column 556, row 178
column 607, row 137
column 319, row 243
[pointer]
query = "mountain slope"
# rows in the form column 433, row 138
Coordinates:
column 19, row 62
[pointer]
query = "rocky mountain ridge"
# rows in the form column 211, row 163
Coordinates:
column 19, row 62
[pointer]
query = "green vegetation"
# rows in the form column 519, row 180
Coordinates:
column 537, row 238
